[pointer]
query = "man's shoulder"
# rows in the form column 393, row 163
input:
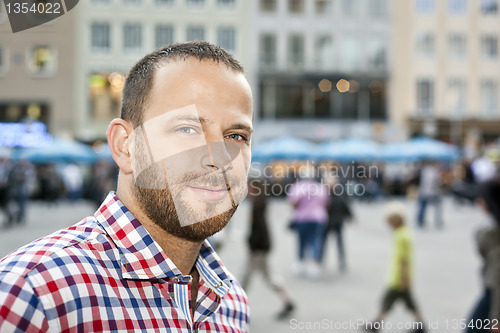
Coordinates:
column 65, row 243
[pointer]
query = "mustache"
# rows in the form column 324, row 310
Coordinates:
column 214, row 179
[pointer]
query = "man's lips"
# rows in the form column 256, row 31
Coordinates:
column 208, row 192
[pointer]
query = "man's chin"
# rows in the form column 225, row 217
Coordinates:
column 200, row 231
column 202, row 213
column 186, row 216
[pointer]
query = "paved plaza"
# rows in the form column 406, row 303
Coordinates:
column 446, row 282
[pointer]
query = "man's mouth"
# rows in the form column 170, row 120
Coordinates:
column 210, row 193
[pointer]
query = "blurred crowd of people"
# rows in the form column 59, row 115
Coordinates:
column 321, row 203
column 320, row 209
column 22, row 181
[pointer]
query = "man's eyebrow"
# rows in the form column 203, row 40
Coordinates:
column 242, row 126
column 203, row 120
column 189, row 117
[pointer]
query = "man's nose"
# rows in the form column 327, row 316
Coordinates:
column 220, row 155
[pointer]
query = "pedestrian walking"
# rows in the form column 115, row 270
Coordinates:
column 20, row 181
column 401, row 270
column 73, row 181
column 488, row 244
column 309, row 199
column 339, row 212
column 259, row 245
column 429, row 183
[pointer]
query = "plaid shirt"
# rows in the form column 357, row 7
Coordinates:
column 107, row 273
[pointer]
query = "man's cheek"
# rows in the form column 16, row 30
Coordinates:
column 152, row 177
column 239, row 172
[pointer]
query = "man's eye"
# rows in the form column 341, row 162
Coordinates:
column 186, row 130
column 237, row 137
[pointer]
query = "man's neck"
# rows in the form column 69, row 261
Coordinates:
column 183, row 253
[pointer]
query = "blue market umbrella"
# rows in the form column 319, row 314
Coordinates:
column 398, row 152
column 419, row 148
column 427, row 148
column 284, row 148
column 348, row 150
column 60, row 151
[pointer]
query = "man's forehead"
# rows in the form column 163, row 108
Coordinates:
column 213, row 90
column 191, row 114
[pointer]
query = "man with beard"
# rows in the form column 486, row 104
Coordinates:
column 141, row 263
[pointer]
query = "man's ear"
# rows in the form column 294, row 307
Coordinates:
column 119, row 139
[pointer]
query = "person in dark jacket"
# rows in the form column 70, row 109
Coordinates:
column 259, row 244
column 487, row 308
column 338, row 213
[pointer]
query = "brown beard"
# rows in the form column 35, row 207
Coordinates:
column 159, row 206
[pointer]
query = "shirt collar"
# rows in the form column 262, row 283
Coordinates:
column 141, row 256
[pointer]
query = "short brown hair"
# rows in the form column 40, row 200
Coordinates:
column 137, row 88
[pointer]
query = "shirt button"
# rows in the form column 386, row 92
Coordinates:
column 218, row 285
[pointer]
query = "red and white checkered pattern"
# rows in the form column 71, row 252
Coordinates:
column 107, row 274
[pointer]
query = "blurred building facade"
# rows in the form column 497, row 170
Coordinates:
column 322, row 67
column 37, row 76
column 319, row 69
column 446, row 68
column 115, row 34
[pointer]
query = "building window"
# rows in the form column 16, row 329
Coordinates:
column 425, row 6
column 268, row 50
column 489, row 6
column 164, row 2
column 17, row 112
column 425, row 44
column 100, row 37
column 226, row 3
column 350, row 53
column 196, row 3
column 268, row 5
column 457, row 46
column 350, row 7
column 489, row 99
column 132, row 37
column 489, row 47
column 296, row 6
column 425, row 96
column 377, row 93
column 456, row 96
column 324, row 52
column 195, row 33
column 349, row 106
column 296, row 50
column 105, row 91
column 323, row 6
column 290, row 101
column 377, row 52
column 4, row 58
column 42, row 60
column 226, row 38
column 164, row 35
column 378, row 8
column 457, row 6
